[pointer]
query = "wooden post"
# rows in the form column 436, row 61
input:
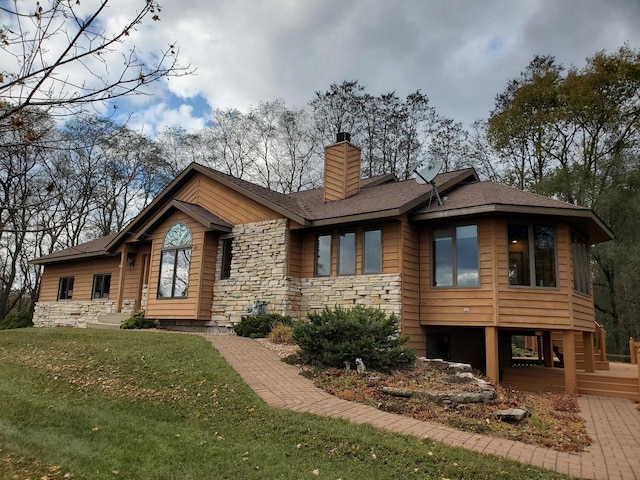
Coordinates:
column 589, row 360
column 539, row 348
column 547, row 348
column 569, row 352
column 491, row 348
column 632, row 351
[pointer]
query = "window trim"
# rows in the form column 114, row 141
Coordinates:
column 227, row 258
column 454, row 257
column 364, row 251
column 93, row 286
column 66, row 282
column 532, row 257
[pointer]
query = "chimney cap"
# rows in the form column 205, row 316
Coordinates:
column 343, row 137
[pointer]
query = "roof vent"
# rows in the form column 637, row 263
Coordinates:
column 343, row 137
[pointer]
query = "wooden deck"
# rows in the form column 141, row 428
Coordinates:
column 621, row 380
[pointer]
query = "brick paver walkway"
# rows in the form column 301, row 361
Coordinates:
column 613, row 424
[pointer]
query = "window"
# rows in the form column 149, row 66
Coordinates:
column 175, row 261
column 227, row 247
column 532, row 245
column 323, row 255
column 101, row 285
column 455, row 253
column 581, row 273
column 347, row 254
column 372, row 251
column 65, row 288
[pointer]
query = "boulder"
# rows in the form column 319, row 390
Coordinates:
column 511, row 414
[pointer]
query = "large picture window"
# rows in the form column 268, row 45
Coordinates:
column 347, row 254
column 323, row 255
column 581, row 272
column 101, row 286
column 455, row 254
column 372, row 252
column 175, row 261
column 65, row 288
column 532, row 255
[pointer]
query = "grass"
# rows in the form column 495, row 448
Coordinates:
column 129, row 404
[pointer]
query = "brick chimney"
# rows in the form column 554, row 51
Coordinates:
column 341, row 169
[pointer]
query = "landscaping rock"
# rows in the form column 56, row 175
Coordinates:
column 446, row 398
column 511, row 414
column 397, row 392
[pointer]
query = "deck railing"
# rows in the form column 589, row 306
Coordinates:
column 600, row 340
column 633, row 350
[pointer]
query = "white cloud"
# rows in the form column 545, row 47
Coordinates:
column 460, row 53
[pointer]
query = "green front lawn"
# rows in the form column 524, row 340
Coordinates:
column 142, row 405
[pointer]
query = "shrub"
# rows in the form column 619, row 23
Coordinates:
column 281, row 334
column 137, row 320
column 16, row 320
column 259, row 326
column 335, row 336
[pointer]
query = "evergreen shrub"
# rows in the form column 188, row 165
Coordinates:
column 334, row 336
column 16, row 320
column 260, row 326
column 137, row 320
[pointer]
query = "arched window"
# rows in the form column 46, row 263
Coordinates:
column 175, row 260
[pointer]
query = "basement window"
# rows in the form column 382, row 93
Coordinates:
column 65, row 288
column 101, row 286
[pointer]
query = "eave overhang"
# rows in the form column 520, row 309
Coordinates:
column 592, row 225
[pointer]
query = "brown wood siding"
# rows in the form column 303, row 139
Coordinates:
column 341, row 171
column 536, row 307
column 410, row 241
column 390, row 249
column 496, row 302
column 296, row 253
column 461, row 306
column 83, row 272
column 584, row 314
column 176, row 308
column 224, row 202
column 207, row 278
column 133, row 275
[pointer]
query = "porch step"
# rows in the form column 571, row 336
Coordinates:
column 608, row 386
column 110, row 321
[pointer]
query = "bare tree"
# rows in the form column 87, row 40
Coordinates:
column 64, row 60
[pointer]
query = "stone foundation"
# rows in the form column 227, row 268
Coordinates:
column 71, row 313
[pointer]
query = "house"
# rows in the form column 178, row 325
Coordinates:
column 464, row 277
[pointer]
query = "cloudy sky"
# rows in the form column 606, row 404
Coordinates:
column 460, row 53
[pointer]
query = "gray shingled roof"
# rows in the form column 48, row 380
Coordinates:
column 93, row 248
column 490, row 193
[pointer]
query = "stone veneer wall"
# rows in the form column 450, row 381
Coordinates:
column 258, row 272
column 377, row 291
column 75, row 313
column 70, row 313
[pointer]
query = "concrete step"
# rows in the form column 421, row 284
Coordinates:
column 110, row 321
column 103, row 326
